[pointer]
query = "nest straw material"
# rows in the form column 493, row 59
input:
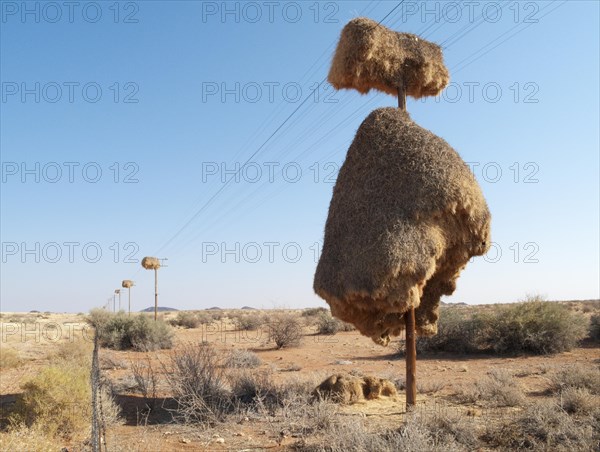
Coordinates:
column 406, row 216
column 371, row 56
column 150, row 263
column 127, row 283
column 348, row 389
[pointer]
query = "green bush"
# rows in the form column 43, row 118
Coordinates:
column 594, row 332
column 57, row 400
column 186, row 319
column 538, row 327
column 313, row 312
column 121, row 332
column 249, row 322
column 458, row 332
column 327, row 324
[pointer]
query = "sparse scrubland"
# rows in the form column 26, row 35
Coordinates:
column 524, row 376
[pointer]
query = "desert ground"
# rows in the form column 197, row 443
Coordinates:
column 467, row 401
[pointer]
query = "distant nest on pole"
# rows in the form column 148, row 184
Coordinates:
column 150, row 263
column 371, row 56
column 127, row 283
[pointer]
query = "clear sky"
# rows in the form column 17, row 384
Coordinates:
column 120, row 121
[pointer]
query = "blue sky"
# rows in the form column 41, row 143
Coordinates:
column 119, row 122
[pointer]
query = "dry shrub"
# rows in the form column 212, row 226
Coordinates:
column 186, row 319
column 430, row 387
column 418, row 434
column 579, row 401
column 57, row 400
column 348, row 389
column 305, row 417
column 594, row 332
column 198, row 383
column 146, row 379
column 249, row 322
column 314, row 312
column 122, row 332
column 533, row 326
column 255, row 389
column 327, row 324
column 578, row 376
column 459, row 331
column 446, row 427
column 31, row 439
column 242, row 359
column 76, row 350
column 546, row 427
column 9, row 358
column 497, row 389
column 285, row 329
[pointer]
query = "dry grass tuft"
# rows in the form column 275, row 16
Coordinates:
column 242, row 359
column 498, row 389
column 57, row 400
column 578, row 376
column 543, row 426
column 9, row 358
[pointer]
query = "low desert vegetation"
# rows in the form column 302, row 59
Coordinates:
column 285, row 330
column 55, row 403
column 249, row 322
column 313, row 312
column 594, row 332
column 544, row 426
column 534, row 326
column 498, row 389
column 186, row 319
column 578, row 376
column 242, row 359
column 328, row 325
column 213, row 389
column 122, row 332
column 9, row 358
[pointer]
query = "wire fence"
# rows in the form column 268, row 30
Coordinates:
column 98, row 422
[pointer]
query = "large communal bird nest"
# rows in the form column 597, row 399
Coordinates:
column 406, row 216
column 127, row 283
column 150, row 263
column 371, row 56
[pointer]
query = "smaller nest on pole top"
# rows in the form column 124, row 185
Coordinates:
column 371, row 56
column 127, row 283
column 150, row 263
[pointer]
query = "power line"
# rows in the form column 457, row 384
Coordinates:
column 226, row 184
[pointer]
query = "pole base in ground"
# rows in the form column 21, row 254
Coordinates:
column 411, row 359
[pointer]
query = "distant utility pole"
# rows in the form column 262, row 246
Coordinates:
column 128, row 284
column 118, row 291
column 154, row 263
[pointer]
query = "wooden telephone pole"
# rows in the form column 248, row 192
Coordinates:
column 409, row 319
